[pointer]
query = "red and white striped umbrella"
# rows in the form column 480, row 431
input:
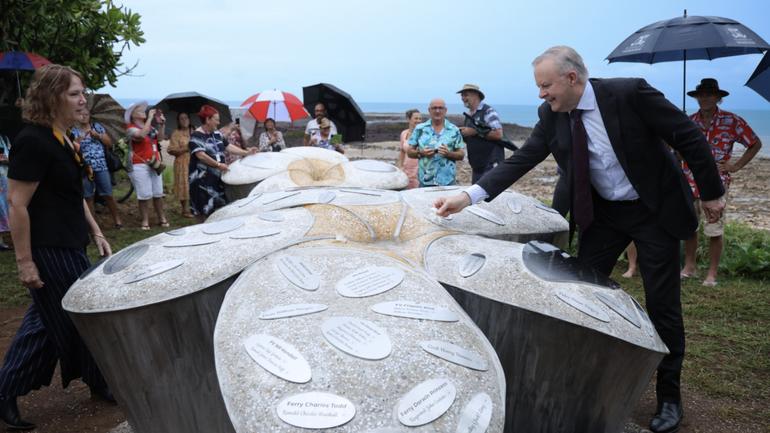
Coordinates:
column 278, row 105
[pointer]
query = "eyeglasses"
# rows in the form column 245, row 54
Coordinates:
column 438, row 108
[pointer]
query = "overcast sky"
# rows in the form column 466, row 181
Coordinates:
column 410, row 50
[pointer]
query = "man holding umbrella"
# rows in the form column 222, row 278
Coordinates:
column 722, row 129
column 313, row 126
column 608, row 136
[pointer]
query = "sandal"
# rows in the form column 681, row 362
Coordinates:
column 118, row 226
column 165, row 224
column 709, row 283
column 145, row 227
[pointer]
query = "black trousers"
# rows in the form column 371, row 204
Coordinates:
column 47, row 334
column 617, row 223
column 477, row 172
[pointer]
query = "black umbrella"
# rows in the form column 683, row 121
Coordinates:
column 760, row 79
column 109, row 113
column 190, row 103
column 340, row 107
column 688, row 38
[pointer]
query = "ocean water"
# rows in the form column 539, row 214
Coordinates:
column 525, row 115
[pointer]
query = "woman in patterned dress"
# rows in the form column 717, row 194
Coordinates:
column 207, row 163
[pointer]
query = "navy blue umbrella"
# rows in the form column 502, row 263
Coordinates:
column 688, row 38
column 760, row 79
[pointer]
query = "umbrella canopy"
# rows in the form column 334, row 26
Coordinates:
column 688, row 38
column 107, row 111
column 760, row 79
column 275, row 104
column 190, row 103
column 21, row 61
column 340, row 107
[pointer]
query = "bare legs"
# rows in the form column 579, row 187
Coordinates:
column 185, row 207
column 144, row 212
column 631, row 253
column 716, row 244
column 111, row 206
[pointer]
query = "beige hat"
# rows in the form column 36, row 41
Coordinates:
column 131, row 108
column 324, row 123
column 473, row 88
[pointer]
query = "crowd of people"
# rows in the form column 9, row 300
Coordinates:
column 620, row 188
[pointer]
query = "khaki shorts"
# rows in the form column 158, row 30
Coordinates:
column 712, row 230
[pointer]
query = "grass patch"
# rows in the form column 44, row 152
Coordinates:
column 728, row 349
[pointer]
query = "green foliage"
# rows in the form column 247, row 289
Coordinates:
column 746, row 252
column 88, row 35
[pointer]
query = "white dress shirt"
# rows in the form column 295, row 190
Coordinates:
column 607, row 175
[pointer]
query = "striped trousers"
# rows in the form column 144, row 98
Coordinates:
column 47, row 334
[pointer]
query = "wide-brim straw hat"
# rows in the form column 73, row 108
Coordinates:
column 131, row 108
column 472, row 87
column 708, row 85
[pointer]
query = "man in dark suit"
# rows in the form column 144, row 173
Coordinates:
column 609, row 137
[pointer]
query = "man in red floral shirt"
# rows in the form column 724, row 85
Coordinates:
column 722, row 129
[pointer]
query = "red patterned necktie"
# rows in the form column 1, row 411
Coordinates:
column 582, row 204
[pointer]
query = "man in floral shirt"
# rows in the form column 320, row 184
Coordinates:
column 438, row 144
column 722, row 129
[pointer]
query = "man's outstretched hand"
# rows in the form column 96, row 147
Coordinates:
column 446, row 206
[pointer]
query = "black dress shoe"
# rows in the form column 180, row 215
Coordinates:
column 103, row 394
column 668, row 418
column 9, row 412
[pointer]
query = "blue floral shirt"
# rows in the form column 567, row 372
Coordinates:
column 91, row 148
column 436, row 170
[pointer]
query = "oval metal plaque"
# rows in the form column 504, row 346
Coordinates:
column 582, row 303
column 273, row 217
column 153, row 270
column 361, row 191
column 370, row 281
column 190, row 242
column 455, row 354
column 485, row 214
column 426, row 402
column 357, row 337
column 471, row 263
column 278, row 357
column 315, row 410
column 299, row 273
column 125, row 258
column 540, row 205
column 514, row 205
column 374, row 166
column 415, row 310
column 441, row 188
column 177, row 232
column 283, row 311
column 326, row 197
column 476, row 415
column 619, row 307
column 645, row 319
column 255, row 233
column 277, row 196
column 224, row 226
column 248, row 200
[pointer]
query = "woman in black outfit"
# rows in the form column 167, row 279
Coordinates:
column 50, row 225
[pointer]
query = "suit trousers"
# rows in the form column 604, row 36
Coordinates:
column 615, row 225
column 47, row 334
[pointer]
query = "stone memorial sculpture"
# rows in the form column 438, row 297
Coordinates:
column 307, row 166
column 332, row 318
column 319, row 343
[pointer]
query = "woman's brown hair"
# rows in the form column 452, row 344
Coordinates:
column 44, row 94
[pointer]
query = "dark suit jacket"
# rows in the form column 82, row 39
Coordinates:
column 638, row 120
